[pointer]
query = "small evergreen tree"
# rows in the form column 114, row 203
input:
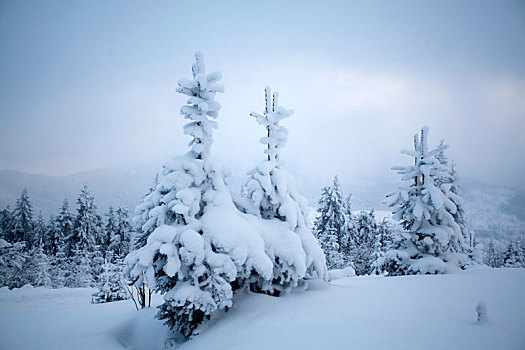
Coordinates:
column 60, row 267
column 493, row 257
column 425, row 213
column 40, row 268
column 12, row 260
column 97, row 264
column 110, row 285
column 383, row 243
column 80, row 272
column 362, row 251
column 513, row 257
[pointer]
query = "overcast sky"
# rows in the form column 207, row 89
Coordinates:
column 91, row 84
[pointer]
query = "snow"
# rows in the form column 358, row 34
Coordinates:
column 336, row 274
column 409, row 312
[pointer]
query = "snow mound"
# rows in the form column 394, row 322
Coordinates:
column 336, row 274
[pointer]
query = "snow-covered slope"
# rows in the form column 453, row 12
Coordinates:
column 415, row 312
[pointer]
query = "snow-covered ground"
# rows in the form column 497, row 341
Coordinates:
column 415, row 312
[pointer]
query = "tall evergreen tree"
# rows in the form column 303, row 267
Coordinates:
column 87, row 226
column 331, row 226
column 6, row 223
column 110, row 230
column 22, row 216
column 51, row 234
column 64, row 228
column 270, row 193
column 40, row 230
column 185, row 255
column 120, row 243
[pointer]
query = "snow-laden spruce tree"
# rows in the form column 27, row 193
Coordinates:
column 110, row 230
column 269, row 192
column 331, row 225
column 80, row 269
column 6, row 221
column 198, row 247
column 426, row 214
column 364, row 237
column 110, row 284
column 64, row 226
column 22, row 224
column 120, row 239
column 39, row 231
column 87, row 225
column 382, row 244
column 513, row 255
column 13, row 258
column 449, row 185
column 39, row 267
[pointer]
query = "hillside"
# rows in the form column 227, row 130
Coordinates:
column 411, row 312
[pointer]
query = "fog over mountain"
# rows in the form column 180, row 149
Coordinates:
column 494, row 211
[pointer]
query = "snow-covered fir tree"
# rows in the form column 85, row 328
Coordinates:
column 198, row 247
column 120, row 240
column 142, row 216
column 64, row 226
column 513, row 255
column 97, row 263
column 493, row 256
column 110, row 230
column 80, row 274
column 12, row 260
column 6, row 224
column 331, row 225
column 110, row 284
column 425, row 246
column 39, row 267
column 269, row 192
column 87, row 225
column 40, row 230
column 361, row 253
column 22, row 224
column 382, row 244
column 60, row 267
column 52, row 237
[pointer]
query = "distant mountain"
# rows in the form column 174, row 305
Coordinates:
column 493, row 211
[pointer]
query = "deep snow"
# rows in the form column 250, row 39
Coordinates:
column 413, row 312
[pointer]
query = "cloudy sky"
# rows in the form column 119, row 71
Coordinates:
column 86, row 85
